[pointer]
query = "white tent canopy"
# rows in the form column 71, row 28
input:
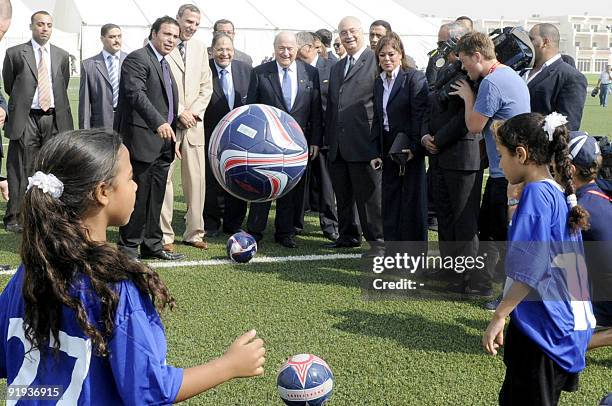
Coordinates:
column 77, row 22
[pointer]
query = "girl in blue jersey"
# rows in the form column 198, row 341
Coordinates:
column 546, row 292
column 80, row 315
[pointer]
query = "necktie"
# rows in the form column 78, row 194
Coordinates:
column 114, row 78
column 181, row 48
column 286, row 87
column 225, row 87
column 351, row 63
column 44, row 85
column 168, row 87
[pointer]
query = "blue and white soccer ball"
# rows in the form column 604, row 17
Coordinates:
column 241, row 247
column 258, row 153
column 305, row 380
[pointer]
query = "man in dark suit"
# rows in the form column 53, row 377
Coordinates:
column 36, row 76
column 293, row 87
column 99, row 86
column 553, row 84
column 319, row 189
column 230, row 86
column 325, row 52
column 348, row 119
column 378, row 29
column 148, row 105
column 6, row 13
column 227, row 27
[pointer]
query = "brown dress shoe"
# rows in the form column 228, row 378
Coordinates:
column 203, row 245
column 168, row 247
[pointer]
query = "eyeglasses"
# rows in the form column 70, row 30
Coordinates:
column 352, row 31
column 337, row 45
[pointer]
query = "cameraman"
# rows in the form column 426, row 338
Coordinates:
column 455, row 165
column 502, row 94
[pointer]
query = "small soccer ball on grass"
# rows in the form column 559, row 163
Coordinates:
column 305, row 380
column 241, row 247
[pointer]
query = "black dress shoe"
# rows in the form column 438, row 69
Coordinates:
column 165, row 256
column 340, row 243
column 287, row 242
column 331, row 236
column 213, row 233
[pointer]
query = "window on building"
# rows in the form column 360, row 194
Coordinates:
column 594, row 45
column 594, row 27
column 577, row 27
column 577, row 44
column 600, row 64
column 583, row 65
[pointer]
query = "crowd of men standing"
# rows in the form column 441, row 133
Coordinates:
column 361, row 106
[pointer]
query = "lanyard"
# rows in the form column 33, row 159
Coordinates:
column 495, row 65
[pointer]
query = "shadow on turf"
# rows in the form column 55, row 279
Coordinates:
column 304, row 272
column 410, row 331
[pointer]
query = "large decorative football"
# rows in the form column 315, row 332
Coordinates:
column 305, row 380
column 258, row 153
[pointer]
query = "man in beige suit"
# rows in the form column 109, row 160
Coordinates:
column 190, row 68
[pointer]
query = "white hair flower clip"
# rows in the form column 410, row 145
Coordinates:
column 552, row 121
column 47, row 183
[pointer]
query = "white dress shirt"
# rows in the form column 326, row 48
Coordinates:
column 529, row 75
column 292, row 77
column 230, row 84
column 157, row 54
column 387, row 87
column 47, row 56
column 314, row 61
column 355, row 58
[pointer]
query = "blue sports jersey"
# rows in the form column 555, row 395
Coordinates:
column 543, row 254
column 134, row 373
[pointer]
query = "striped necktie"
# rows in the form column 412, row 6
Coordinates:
column 44, row 85
column 114, row 78
column 181, row 48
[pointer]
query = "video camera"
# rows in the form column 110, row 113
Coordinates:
column 512, row 48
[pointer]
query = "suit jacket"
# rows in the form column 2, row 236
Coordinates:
column 194, row 83
column 349, row 113
column 218, row 106
column 96, row 93
column 324, row 66
column 265, row 88
column 20, row 75
column 560, row 88
column 405, row 109
column 143, row 105
column 4, row 107
column 331, row 57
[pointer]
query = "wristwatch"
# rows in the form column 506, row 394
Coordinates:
column 513, row 202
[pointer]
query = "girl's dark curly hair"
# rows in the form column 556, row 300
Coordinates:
column 56, row 248
column 527, row 130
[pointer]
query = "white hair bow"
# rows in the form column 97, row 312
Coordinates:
column 552, row 121
column 48, row 183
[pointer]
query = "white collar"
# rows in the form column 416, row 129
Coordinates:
column 383, row 74
column 292, row 67
column 228, row 68
column 37, row 46
column 314, row 62
column 551, row 60
column 106, row 54
column 159, row 56
column 357, row 54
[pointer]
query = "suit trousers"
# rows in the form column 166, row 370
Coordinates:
column 288, row 208
column 325, row 203
column 144, row 228
column 357, row 183
column 21, row 157
column 457, row 199
column 192, row 179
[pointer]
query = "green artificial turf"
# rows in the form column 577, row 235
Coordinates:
column 398, row 352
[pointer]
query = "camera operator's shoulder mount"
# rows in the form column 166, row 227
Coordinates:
column 513, row 48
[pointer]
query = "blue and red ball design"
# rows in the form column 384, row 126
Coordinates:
column 305, row 380
column 258, row 153
column 241, row 247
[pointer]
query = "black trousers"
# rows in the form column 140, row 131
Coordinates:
column 357, row 183
column 289, row 208
column 144, row 230
column 493, row 232
column 325, row 202
column 214, row 200
column 20, row 160
column 457, row 199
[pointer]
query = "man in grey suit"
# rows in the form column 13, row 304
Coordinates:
column 99, row 87
column 348, row 120
column 36, row 76
column 227, row 27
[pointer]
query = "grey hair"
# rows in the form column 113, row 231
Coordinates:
column 456, row 30
column 304, row 38
column 191, row 7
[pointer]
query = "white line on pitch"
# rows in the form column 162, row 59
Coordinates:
column 258, row 260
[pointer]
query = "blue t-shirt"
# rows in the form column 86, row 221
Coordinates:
column 502, row 94
column 134, row 373
column 543, row 254
column 597, row 247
